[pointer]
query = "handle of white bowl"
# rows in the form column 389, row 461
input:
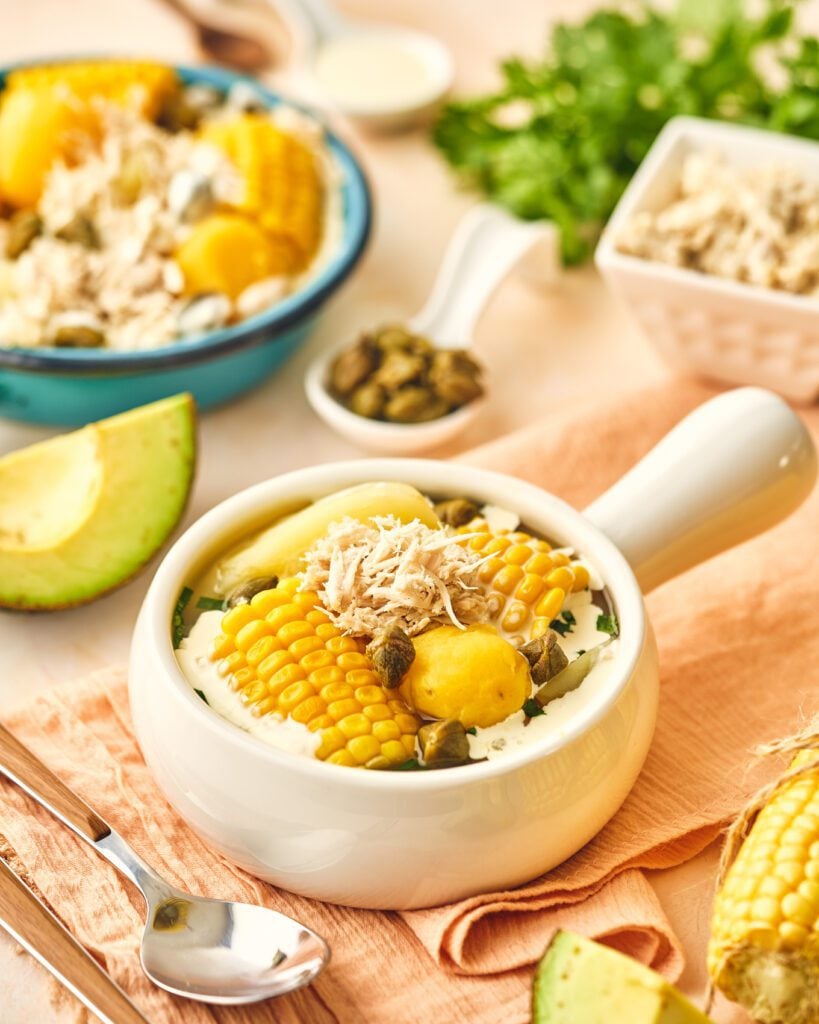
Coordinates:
column 487, row 243
column 731, row 469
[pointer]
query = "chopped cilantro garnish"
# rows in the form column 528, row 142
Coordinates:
column 211, row 604
column 567, row 616
column 177, row 622
column 582, row 651
column 565, row 129
column 411, row 765
column 607, row 624
column 472, row 731
column 201, row 693
column 559, row 626
column 532, row 709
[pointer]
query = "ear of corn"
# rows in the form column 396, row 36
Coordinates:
column 282, row 184
column 764, row 949
column 526, row 580
column 140, row 85
column 283, row 656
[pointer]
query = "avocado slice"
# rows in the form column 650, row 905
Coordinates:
column 581, row 982
column 83, row 512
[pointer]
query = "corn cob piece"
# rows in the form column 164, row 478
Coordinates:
column 282, row 184
column 282, row 655
column 139, row 85
column 764, row 948
column 527, row 582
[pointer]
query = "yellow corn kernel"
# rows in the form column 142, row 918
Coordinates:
column 581, row 577
column 283, row 190
column 221, row 646
column 507, row 579
column 764, row 948
column 139, row 85
column 524, row 580
column 550, row 604
column 298, row 665
column 249, row 634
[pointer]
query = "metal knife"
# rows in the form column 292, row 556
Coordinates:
column 39, row 932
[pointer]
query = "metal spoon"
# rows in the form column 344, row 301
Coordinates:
column 215, row 951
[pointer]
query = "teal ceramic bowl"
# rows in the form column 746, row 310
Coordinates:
column 76, row 386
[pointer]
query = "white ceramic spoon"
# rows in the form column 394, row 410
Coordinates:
column 486, row 245
column 384, row 77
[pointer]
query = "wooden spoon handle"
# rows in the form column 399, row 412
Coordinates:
column 21, row 766
column 33, row 925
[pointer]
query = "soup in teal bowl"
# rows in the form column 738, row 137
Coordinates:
column 75, row 385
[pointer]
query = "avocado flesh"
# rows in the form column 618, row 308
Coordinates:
column 81, row 513
column 581, row 982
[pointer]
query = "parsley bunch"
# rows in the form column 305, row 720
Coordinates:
column 562, row 136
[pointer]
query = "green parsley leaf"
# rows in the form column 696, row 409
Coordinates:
column 410, row 765
column 562, row 135
column 178, row 622
column 532, row 709
column 607, row 624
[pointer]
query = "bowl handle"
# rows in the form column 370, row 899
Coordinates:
column 731, row 469
column 485, row 246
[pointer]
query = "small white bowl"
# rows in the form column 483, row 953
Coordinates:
column 728, row 330
column 403, row 839
column 378, row 112
column 376, row 435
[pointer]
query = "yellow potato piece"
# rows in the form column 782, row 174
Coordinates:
column 278, row 550
column 225, row 253
column 472, row 675
column 35, row 130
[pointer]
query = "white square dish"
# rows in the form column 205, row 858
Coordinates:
column 729, row 330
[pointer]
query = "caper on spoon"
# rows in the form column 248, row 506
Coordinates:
column 408, row 387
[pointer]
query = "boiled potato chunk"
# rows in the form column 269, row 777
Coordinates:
column 34, row 128
column 225, row 253
column 278, row 550
column 472, row 675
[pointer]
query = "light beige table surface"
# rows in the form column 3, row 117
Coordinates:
column 543, row 347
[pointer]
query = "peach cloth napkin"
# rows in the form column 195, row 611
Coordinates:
column 738, row 643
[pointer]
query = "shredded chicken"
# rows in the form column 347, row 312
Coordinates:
column 392, row 573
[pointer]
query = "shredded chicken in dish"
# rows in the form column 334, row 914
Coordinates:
column 393, row 573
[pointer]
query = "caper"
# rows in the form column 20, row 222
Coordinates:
column 78, row 336
column 393, row 336
column 368, row 400
column 545, row 656
column 456, row 511
column 250, row 588
column 415, row 404
column 444, row 744
column 178, row 113
column 132, row 179
column 391, row 653
column 24, row 227
column 80, row 230
column 399, row 368
column 352, row 367
column 455, row 376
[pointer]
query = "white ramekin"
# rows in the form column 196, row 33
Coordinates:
column 728, row 330
column 398, row 840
